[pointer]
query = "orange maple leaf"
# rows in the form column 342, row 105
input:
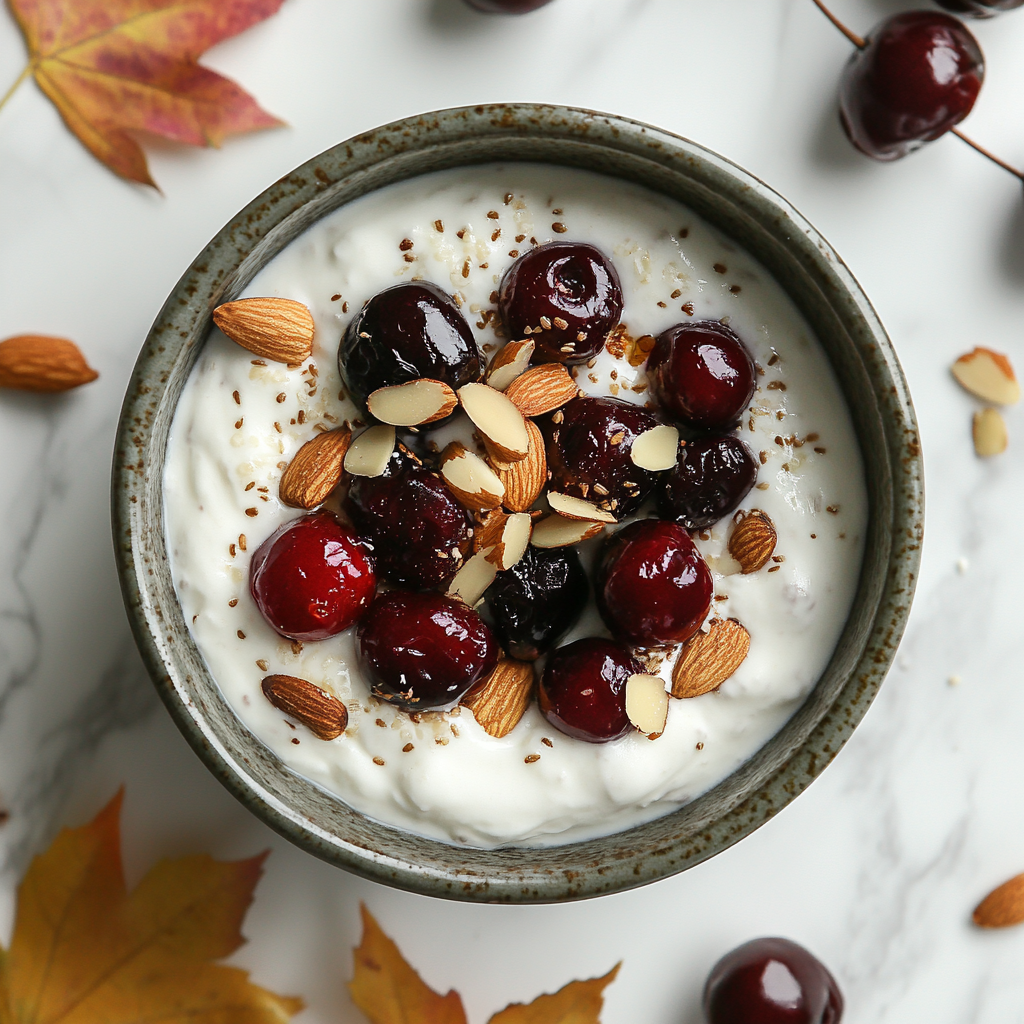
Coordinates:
column 112, row 67
column 86, row 951
column 389, row 991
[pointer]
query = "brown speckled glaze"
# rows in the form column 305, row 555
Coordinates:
column 737, row 204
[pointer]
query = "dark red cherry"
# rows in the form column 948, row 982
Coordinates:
column 583, row 690
column 408, row 331
column 418, row 530
column 536, row 602
column 917, row 76
column 566, row 296
column 702, row 374
column 311, row 578
column 652, row 584
column 424, row 652
column 771, row 981
column 507, row 6
column 979, row 8
column 712, row 475
column 588, row 451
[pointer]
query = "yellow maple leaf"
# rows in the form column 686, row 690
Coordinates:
column 86, row 951
column 579, row 1002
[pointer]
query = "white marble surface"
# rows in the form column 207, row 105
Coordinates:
column 877, row 866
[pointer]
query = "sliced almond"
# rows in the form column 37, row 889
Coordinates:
column 473, row 579
column 656, row 449
column 504, row 537
column 369, row 453
column 647, row 704
column 524, row 480
column 1002, row 907
column 315, row 470
column 37, row 362
column 272, row 328
column 542, row 389
column 500, row 422
column 499, row 705
column 555, row 531
column 413, row 404
column 470, row 479
column 990, row 436
column 319, row 711
column 708, row 659
column 508, row 362
column 753, row 540
column 578, row 508
column 988, row 375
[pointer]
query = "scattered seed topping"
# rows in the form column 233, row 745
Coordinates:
column 407, row 748
column 720, row 268
column 493, row 214
column 252, row 512
column 833, row 510
column 439, row 226
column 675, row 294
column 546, row 741
column 262, row 665
column 233, row 602
column 559, row 229
column 236, row 397
column 405, row 244
column 508, row 198
column 530, row 758
column 379, row 760
column 241, row 635
column 687, row 308
column 617, row 438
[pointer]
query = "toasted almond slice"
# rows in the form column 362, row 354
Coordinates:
column 369, row 453
column 524, row 480
column 708, row 659
column 988, row 375
column 504, row 537
column 500, row 422
column 322, row 713
column 499, row 705
column 647, row 704
column 656, row 449
column 473, row 579
column 412, row 404
column 555, row 531
column 542, row 389
column 38, row 362
column 470, row 479
column 508, row 362
column 990, row 436
column 1002, row 907
column 315, row 470
column 273, row 328
column 753, row 540
column 577, row 508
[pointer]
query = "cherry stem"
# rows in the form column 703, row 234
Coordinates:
column 26, row 71
column 859, row 41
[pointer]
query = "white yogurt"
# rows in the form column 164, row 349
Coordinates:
column 238, row 423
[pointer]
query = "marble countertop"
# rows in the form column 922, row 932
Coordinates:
column 877, row 866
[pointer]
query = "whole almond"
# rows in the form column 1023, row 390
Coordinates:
column 525, row 479
column 1002, row 907
column 708, row 659
column 272, row 328
column 542, row 389
column 322, row 713
column 753, row 540
column 315, row 470
column 37, row 362
column 499, row 705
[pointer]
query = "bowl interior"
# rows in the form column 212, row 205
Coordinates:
column 822, row 289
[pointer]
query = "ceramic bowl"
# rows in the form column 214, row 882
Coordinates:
column 741, row 207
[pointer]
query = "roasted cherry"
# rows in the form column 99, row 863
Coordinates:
column 418, row 530
column 583, row 690
column 771, row 981
column 507, row 6
column 424, row 652
column 652, row 584
column 917, row 76
column 311, row 578
column 566, row 296
column 588, row 449
column 702, row 374
column 411, row 330
column 536, row 602
column 712, row 475
column 979, row 8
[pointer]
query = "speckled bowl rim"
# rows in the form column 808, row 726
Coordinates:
column 743, row 208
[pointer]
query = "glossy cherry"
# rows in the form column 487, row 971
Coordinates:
column 507, row 6
column 566, row 296
column 712, row 475
column 311, row 578
column 702, row 374
column 583, row 690
column 536, row 602
column 771, row 981
column 979, row 8
column 418, row 530
column 652, row 585
column 588, row 452
column 411, row 330
column 424, row 652
column 917, row 76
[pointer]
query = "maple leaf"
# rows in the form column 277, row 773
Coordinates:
column 113, row 67
column 389, row 991
column 86, row 951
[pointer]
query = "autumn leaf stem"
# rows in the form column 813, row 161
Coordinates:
column 25, row 72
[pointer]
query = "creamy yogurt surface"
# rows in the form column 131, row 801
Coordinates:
column 240, row 420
